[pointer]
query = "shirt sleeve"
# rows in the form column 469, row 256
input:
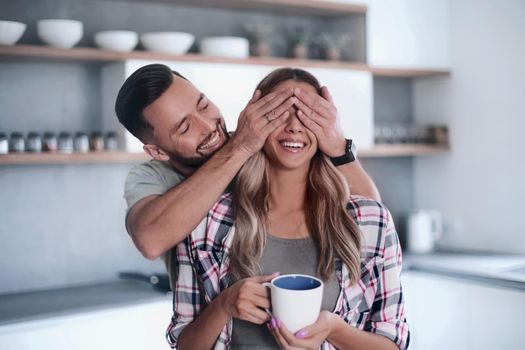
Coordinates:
column 144, row 180
column 187, row 301
column 388, row 310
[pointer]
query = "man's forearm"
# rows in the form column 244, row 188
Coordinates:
column 168, row 219
column 359, row 181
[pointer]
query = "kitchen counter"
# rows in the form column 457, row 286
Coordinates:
column 35, row 305
column 492, row 269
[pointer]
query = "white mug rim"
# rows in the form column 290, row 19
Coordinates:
column 296, row 275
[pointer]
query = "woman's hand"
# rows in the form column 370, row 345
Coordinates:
column 246, row 299
column 319, row 115
column 310, row 337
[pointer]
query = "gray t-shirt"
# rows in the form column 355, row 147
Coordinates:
column 285, row 256
column 153, row 178
column 150, row 178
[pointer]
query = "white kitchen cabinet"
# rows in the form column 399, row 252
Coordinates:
column 435, row 308
column 230, row 87
column 408, row 34
column 452, row 313
column 132, row 328
column 497, row 315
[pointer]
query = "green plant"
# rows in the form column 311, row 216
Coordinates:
column 298, row 36
column 257, row 33
column 339, row 41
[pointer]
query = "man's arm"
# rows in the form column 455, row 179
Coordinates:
column 319, row 114
column 157, row 223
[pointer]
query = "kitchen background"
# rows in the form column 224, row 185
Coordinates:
column 432, row 62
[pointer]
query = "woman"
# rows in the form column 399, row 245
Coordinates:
column 293, row 215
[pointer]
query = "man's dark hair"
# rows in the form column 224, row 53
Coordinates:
column 140, row 90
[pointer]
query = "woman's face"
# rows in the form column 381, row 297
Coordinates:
column 291, row 145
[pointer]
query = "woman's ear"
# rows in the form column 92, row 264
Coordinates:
column 156, row 152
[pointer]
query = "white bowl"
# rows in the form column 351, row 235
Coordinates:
column 10, row 32
column 62, row 33
column 225, row 46
column 170, row 42
column 117, row 40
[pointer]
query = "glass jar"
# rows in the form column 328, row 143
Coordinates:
column 16, row 143
column 4, row 144
column 111, row 143
column 34, row 142
column 49, row 142
column 81, row 142
column 96, row 142
column 65, row 142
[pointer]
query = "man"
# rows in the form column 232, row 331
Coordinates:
column 195, row 159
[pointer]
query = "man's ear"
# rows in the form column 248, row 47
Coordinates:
column 156, row 152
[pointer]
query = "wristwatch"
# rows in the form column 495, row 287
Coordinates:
column 349, row 156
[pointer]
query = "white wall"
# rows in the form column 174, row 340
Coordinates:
column 482, row 182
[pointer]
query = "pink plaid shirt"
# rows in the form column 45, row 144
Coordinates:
column 374, row 304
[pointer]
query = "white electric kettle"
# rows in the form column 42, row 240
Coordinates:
column 424, row 229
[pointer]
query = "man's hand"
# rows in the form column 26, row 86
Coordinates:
column 310, row 337
column 246, row 299
column 261, row 117
column 319, row 115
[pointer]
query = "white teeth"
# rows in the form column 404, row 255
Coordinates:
column 212, row 141
column 292, row 144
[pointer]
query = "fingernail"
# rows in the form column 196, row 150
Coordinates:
column 301, row 334
column 277, row 323
column 274, row 323
column 269, row 326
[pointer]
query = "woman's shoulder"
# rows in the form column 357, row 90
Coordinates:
column 365, row 209
column 223, row 208
column 375, row 223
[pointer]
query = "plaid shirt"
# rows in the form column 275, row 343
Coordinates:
column 374, row 304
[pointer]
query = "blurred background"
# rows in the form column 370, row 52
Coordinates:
column 431, row 91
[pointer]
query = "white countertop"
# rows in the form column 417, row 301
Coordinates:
column 492, row 267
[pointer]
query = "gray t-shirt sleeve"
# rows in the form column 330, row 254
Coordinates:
column 150, row 178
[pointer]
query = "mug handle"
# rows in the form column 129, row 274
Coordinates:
column 269, row 285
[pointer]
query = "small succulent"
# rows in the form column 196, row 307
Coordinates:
column 257, row 32
column 298, row 36
column 334, row 40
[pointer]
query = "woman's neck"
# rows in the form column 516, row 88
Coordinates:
column 286, row 216
column 287, row 189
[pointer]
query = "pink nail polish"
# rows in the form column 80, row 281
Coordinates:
column 274, row 323
column 269, row 326
column 301, row 334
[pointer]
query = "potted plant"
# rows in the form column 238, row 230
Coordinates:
column 258, row 34
column 336, row 46
column 298, row 41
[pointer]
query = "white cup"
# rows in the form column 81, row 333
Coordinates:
column 296, row 300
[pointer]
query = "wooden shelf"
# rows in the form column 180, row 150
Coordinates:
column 85, row 54
column 403, row 150
column 316, row 8
column 72, row 158
column 380, row 151
column 406, row 73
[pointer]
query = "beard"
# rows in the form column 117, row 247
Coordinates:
column 195, row 162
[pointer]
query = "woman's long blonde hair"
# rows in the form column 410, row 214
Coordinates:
column 331, row 227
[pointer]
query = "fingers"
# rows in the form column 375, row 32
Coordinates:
column 311, row 114
column 272, row 101
column 264, row 278
column 326, row 94
column 274, row 124
column 317, row 102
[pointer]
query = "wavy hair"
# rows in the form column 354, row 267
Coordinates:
column 332, row 228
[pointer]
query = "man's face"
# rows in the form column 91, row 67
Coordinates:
column 187, row 126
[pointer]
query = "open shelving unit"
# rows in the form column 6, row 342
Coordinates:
column 380, row 151
column 86, row 54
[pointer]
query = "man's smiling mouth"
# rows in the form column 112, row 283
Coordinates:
column 212, row 140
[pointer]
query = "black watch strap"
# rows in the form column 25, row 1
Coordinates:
column 346, row 158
